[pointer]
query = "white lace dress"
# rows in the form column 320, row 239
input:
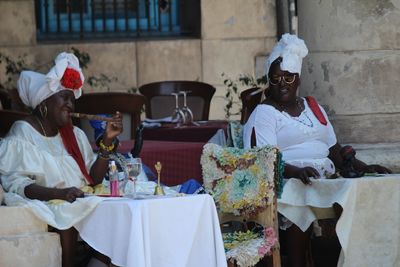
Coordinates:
column 303, row 141
column 27, row 157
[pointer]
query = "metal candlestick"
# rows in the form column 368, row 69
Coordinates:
column 159, row 191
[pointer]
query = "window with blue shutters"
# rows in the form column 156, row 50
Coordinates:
column 94, row 19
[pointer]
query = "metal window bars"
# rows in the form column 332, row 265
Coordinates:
column 91, row 19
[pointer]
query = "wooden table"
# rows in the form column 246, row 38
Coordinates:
column 368, row 228
column 202, row 133
column 180, row 160
column 156, row 231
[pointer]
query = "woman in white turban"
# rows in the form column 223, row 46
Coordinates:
column 300, row 128
column 44, row 157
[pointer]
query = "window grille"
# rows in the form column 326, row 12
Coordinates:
column 93, row 19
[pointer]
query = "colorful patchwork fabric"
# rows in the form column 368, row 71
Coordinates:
column 242, row 181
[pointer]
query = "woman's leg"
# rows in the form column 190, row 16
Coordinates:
column 68, row 245
column 297, row 243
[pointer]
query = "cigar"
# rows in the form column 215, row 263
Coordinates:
column 90, row 117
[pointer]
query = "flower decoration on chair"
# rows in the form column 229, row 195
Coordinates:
column 71, row 79
column 240, row 181
column 247, row 248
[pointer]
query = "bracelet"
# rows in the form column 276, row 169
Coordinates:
column 106, row 148
column 104, row 155
column 105, row 158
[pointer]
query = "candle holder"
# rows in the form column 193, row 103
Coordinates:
column 159, row 191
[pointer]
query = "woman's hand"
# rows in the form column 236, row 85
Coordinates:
column 114, row 128
column 375, row 168
column 305, row 173
column 70, row 194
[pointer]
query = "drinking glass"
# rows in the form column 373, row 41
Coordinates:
column 178, row 116
column 188, row 114
column 134, row 168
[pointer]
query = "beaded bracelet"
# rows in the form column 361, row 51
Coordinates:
column 106, row 148
column 103, row 155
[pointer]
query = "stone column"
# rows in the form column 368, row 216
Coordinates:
column 353, row 69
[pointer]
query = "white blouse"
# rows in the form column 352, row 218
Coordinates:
column 27, row 157
column 303, row 140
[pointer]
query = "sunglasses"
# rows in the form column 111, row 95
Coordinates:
column 287, row 79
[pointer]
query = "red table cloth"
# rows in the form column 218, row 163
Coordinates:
column 201, row 133
column 180, row 160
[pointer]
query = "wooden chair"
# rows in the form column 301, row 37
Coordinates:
column 160, row 103
column 7, row 118
column 108, row 103
column 250, row 99
column 245, row 184
column 10, row 100
column 5, row 100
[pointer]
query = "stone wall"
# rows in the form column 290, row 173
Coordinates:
column 353, row 69
column 234, row 33
column 25, row 241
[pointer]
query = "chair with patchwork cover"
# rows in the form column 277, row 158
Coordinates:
column 245, row 184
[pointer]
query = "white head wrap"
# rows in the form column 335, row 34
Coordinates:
column 292, row 50
column 34, row 87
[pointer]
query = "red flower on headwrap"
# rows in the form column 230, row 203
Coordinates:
column 71, row 79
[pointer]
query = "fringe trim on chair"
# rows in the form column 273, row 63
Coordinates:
column 280, row 167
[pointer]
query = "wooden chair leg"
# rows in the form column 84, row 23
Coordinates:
column 276, row 258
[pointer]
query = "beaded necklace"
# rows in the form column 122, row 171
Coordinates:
column 308, row 122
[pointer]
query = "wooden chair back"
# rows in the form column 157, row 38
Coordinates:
column 7, row 118
column 250, row 99
column 108, row 103
column 10, row 100
column 160, row 103
column 245, row 184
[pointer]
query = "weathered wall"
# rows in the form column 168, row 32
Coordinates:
column 17, row 25
column 233, row 35
column 353, row 69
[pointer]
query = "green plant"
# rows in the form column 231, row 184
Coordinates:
column 233, row 89
column 12, row 69
column 133, row 90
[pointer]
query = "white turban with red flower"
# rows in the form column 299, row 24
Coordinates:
column 34, row 87
column 292, row 50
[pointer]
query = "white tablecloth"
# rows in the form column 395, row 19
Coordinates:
column 170, row 231
column 369, row 227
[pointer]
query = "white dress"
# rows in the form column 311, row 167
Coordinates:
column 303, row 140
column 27, row 157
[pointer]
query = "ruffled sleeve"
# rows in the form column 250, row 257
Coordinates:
column 331, row 138
column 263, row 121
column 17, row 165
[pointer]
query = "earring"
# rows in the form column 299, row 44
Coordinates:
column 43, row 111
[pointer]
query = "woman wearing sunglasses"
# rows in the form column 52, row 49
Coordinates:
column 300, row 128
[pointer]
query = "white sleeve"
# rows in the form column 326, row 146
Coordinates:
column 16, row 183
column 20, row 157
column 331, row 138
column 263, row 121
